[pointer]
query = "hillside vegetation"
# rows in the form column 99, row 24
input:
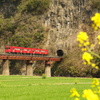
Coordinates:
column 22, row 24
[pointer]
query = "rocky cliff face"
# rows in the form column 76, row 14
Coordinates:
column 65, row 19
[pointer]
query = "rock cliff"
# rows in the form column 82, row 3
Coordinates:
column 64, row 19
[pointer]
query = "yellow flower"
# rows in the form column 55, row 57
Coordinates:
column 76, row 99
column 89, row 95
column 92, row 45
column 98, row 87
column 95, row 28
column 96, row 67
column 84, row 63
column 86, row 43
column 74, row 93
column 98, row 37
column 80, row 45
column 93, row 25
column 98, row 42
column 95, row 82
column 96, row 19
column 87, row 57
column 84, row 49
column 82, row 36
column 94, row 91
column 93, row 65
column 99, row 91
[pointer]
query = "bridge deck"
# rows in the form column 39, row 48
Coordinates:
column 28, row 57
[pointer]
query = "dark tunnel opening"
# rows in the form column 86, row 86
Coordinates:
column 60, row 53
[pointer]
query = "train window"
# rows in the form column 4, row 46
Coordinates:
column 17, row 49
column 7, row 47
column 25, row 49
column 42, row 51
column 37, row 50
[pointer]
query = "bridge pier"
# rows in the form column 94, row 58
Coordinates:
column 48, row 68
column 29, row 64
column 29, row 70
column 5, row 69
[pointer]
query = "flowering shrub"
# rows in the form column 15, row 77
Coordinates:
column 88, row 94
column 96, row 20
column 85, row 44
column 83, row 39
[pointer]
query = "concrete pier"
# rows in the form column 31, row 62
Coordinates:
column 29, row 70
column 48, row 68
column 5, row 68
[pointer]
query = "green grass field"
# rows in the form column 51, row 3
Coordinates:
column 36, row 88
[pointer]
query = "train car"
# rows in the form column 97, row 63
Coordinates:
column 23, row 50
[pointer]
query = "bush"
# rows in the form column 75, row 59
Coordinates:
column 43, row 76
column 38, row 36
column 96, row 4
column 36, row 7
column 20, row 40
column 4, row 1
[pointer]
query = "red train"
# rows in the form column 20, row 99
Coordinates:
column 23, row 50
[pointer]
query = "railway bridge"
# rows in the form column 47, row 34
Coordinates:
column 29, row 62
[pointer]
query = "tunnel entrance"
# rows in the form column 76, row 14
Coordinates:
column 60, row 53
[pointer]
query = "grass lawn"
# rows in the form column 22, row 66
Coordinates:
column 36, row 88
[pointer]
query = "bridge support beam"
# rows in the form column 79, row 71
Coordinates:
column 48, row 68
column 5, row 69
column 29, row 70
